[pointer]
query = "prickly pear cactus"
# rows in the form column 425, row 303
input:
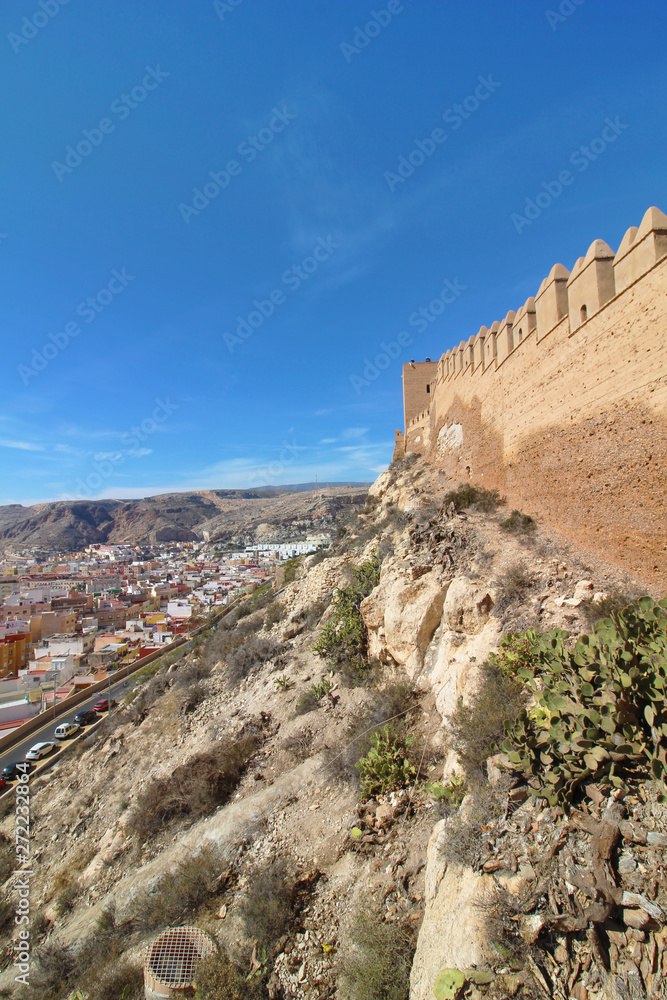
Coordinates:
column 599, row 711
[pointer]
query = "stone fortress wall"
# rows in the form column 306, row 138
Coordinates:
column 562, row 406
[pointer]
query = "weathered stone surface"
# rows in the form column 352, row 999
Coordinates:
column 467, row 606
column 452, row 932
column 401, row 617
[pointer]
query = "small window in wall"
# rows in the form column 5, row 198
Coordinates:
column 520, row 334
column 584, row 314
column 428, row 388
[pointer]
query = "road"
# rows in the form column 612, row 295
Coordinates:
column 118, row 691
column 45, row 733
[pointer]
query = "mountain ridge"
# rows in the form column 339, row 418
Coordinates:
column 225, row 515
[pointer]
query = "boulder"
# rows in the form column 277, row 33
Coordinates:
column 411, row 615
column 467, row 606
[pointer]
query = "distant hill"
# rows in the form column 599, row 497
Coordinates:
column 237, row 516
column 303, row 487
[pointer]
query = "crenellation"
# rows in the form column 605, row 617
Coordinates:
column 591, row 284
column 491, row 345
column 470, row 354
column 505, row 337
column 461, row 360
column 524, row 322
column 572, row 429
column 640, row 249
column 551, row 303
column 478, row 348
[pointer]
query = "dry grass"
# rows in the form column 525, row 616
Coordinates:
column 475, row 730
column 218, row 978
column 512, row 585
column 268, row 908
column 197, row 788
column 377, row 966
column 252, row 654
column 179, row 894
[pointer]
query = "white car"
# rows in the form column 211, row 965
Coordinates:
column 40, row 750
column 65, row 730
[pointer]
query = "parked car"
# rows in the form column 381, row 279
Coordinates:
column 84, row 718
column 16, row 770
column 65, row 730
column 3, row 782
column 40, row 750
column 103, row 705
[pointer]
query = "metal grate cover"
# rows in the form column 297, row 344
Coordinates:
column 173, row 957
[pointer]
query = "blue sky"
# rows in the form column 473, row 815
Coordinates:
column 205, row 235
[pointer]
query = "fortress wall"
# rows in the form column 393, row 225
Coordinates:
column 563, row 405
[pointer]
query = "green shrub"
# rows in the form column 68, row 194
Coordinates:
column 344, row 640
column 392, row 706
column 387, row 765
column 377, row 967
column 449, row 795
column 475, row 730
column 515, row 652
column 519, row 524
column 472, row 496
column 599, row 711
column 310, row 699
column 290, row 569
column 218, row 978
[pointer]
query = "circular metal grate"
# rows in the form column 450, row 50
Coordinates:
column 173, row 957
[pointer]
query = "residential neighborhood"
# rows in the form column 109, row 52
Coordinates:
column 70, row 620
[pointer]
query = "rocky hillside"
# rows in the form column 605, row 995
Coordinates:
column 237, row 516
column 324, row 783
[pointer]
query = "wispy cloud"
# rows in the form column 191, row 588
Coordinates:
column 21, row 445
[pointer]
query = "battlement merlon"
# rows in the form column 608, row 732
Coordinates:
column 574, row 296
